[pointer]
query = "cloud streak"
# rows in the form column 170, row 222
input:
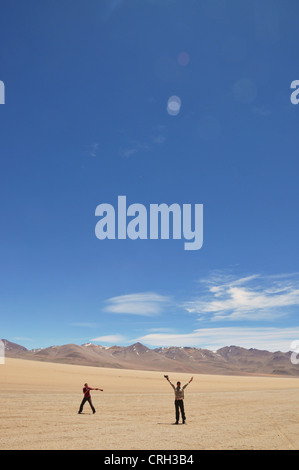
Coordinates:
column 271, row 339
column 137, row 146
column 254, row 297
column 92, row 149
column 247, row 309
column 110, row 339
column 145, row 304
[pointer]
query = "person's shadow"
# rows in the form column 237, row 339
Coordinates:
column 170, row 424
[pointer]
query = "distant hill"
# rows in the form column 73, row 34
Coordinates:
column 13, row 348
column 230, row 360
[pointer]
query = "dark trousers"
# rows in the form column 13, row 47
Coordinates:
column 83, row 403
column 179, row 406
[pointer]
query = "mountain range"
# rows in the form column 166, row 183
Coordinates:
column 229, row 360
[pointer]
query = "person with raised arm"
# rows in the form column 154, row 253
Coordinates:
column 179, row 399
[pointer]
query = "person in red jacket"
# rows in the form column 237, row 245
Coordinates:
column 87, row 397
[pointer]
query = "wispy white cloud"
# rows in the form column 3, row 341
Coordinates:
column 246, row 300
column 159, row 139
column 146, row 303
column 92, row 149
column 110, row 339
column 22, row 338
column 262, row 110
column 253, row 297
column 271, row 339
column 136, row 146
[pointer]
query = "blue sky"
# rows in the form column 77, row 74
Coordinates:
column 86, row 120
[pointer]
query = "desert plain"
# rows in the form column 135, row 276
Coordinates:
column 39, row 404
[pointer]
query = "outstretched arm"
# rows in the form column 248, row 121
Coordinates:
column 170, row 383
column 188, row 383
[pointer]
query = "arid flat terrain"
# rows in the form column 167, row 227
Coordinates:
column 40, row 401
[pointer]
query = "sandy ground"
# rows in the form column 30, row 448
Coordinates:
column 39, row 405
